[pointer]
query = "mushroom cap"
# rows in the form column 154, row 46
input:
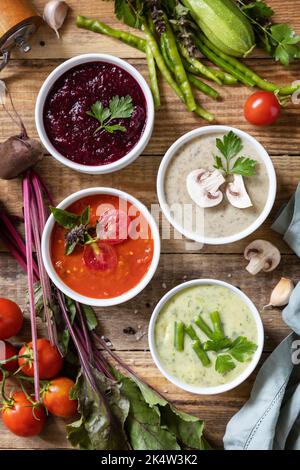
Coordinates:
column 262, row 255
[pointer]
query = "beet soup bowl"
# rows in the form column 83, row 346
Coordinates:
column 95, row 113
column 101, row 246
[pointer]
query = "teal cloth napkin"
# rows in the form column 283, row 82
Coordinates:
column 270, row 420
column 288, row 222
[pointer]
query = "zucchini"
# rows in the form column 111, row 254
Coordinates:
column 224, row 25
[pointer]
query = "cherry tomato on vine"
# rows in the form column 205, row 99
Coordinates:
column 113, row 226
column 7, row 351
column 21, row 417
column 11, row 318
column 262, row 108
column 56, row 397
column 49, row 359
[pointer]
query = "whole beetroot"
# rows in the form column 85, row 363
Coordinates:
column 17, row 154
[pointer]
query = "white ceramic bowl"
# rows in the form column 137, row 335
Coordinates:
column 211, row 130
column 54, row 76
column 88, row 300
column 220, row 388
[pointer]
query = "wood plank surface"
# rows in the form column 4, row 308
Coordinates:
column 25, row 76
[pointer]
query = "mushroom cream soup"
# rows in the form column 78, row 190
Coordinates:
column 236, row 320
column 224, row 219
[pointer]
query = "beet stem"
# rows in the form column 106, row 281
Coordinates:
column 28, row 237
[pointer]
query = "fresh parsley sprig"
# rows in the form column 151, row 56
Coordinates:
column 118, row 108
column 230, row 146
column 279, row 40
column 228, row 351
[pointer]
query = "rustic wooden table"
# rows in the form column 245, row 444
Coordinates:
column 24, row 76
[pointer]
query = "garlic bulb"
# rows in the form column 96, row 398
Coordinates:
column 281, row 293
column 55, row 13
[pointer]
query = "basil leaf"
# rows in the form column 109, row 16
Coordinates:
column 64, row 218
column 85, row 216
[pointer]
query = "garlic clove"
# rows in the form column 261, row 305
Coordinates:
column 55, row 13
column 203, row 187
column 237, row 194
column 281, row 294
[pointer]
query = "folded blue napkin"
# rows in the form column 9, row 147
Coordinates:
column 270, row 420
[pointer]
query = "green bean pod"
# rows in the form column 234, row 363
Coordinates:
column 226, row 78
column 153, row 77
column 160, row 61
column 179, row 70
column 98, row 27
column 216, row 321
column 201, row 112
column 179, row 336
column 204, row 327
column 197, row 347
column 165, row 55
column 258, row 81
column 217, row 60
column 191, row 332
column 201, row 68
column 203, row 87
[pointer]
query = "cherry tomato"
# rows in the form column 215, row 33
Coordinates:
column 100, row 256
column 7, row 350
column 113, row 226
column 49, row 359
column 57, row 398
column 11, row 318
column 21, row 418
column 262, row 108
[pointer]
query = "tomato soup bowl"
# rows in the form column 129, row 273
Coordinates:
column 133, row 290
column 63, row 69
column 251, row 365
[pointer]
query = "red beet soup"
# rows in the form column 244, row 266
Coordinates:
column 76, row 134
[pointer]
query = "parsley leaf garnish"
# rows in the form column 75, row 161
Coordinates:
column 230, row 146
column 226, row 349
column 224, row 364
column 279, row 40
column 242, row 349
column 118, row 108
column 217, row 344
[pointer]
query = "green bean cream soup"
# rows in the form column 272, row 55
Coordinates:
column 190, row 303
column 224, row 219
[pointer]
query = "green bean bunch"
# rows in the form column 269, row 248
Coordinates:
column 175, row 51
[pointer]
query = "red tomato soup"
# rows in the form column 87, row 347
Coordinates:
column 120, row 258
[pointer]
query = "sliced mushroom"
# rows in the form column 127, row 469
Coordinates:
column 237, row 193
column 203, row 187
column 262, row 256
